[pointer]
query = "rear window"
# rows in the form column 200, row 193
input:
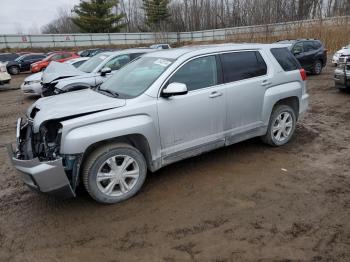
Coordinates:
column 8, row 57
column 286, row 59
column 242, row 65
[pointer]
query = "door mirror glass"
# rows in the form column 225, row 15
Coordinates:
column 174, row 89
column 105, row 71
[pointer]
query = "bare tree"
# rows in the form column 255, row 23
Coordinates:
column 61, row 24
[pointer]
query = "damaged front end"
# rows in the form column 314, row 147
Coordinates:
column 38, row 159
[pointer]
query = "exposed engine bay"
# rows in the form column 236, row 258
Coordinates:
column 44, row 145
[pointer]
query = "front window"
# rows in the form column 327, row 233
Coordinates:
column 135, row 78
column 197, row 73
column 298, row 48
column 93, row 63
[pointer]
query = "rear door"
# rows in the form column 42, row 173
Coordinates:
column 246, row 80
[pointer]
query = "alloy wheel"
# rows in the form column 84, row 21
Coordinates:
column 282, row 127
column 117, row 175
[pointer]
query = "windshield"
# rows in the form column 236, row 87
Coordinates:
column 136, row 77
column 92, row 63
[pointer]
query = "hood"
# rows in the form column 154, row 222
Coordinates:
column 34, row 77
column 71, row 104
column 57, row 70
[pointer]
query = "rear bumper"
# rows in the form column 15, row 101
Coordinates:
column 304, row 105
column 4, row 77
column 44, row 176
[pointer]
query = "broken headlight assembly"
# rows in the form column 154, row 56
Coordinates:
column 47, row 141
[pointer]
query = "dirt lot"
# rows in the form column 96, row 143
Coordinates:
column 245, row 202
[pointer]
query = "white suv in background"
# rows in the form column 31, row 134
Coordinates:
column 338, row 54
column 5, row 77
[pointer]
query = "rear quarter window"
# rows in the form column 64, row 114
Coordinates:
column 242, row 65
column 286, row 59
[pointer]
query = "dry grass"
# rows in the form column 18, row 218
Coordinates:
column 334, row 37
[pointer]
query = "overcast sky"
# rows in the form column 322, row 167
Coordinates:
column 29, row 16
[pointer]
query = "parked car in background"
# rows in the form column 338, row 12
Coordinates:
column 337, row 54
column 5, row 57
column 57, row 56
column 160, row 46
column 90, row 74
column 311, row 53
column 32, row 84
column 95, row 51
column 159, row 109
column 342, row 72
column 22, row 63
column 5, row 77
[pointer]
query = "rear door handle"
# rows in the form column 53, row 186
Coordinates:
column 215, row 94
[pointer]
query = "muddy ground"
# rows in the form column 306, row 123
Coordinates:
column 246, row 202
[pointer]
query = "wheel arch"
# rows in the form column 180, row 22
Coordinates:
column 288, row 94
column 138, row 141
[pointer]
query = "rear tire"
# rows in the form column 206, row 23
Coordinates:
column 281, row 126
column 317, row 67
column 113, row 173
column 14, row 70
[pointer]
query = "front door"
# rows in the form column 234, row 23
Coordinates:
column 194, row 122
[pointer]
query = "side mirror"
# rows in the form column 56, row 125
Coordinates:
column 296, row 52
column 105, row 71
column 174, row 89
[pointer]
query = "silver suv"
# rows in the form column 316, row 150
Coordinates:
column 163, row 107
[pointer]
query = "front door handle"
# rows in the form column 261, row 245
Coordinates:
column 265, row 83
column 215, row 94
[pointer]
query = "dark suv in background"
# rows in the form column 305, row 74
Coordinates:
column 5, row 57
column 311, row 54
column 22, row 63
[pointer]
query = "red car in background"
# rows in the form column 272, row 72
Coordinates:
column 56, row 56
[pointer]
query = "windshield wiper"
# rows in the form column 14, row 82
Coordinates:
column 114, row 94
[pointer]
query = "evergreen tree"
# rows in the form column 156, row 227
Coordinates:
column 156, row 12
column 96, row 16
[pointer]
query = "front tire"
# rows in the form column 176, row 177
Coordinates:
column 281, row 126
column 114, row 173
column 14, row 70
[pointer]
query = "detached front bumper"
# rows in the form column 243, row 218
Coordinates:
column 44, row 176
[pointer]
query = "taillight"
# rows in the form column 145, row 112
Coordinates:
column 303, row 74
